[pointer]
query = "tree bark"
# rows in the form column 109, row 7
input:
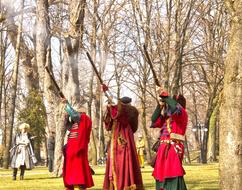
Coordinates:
column 144, row 131
column 73, row 41
column 92, row 140
column 93, row 134
column 2, row 75
column 9, row 130
column 91, row 95
column 230, row 152
column 181, row 30
column 211, row 151
column 43, row 57
column 26, row 54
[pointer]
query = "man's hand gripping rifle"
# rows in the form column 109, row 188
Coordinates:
column 107, row 93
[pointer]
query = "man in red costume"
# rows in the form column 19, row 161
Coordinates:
column 76, row 169
column 122, row 167
column 170, row 115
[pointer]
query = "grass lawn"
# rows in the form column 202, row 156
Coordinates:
column 198, row 177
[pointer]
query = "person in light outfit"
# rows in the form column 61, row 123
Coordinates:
column 21, row 153
column 140, row 145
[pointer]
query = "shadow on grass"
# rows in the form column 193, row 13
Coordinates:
column 98, row 174
column 40, row 178
column 148, row 172
column 148, row 186
column 207, row 184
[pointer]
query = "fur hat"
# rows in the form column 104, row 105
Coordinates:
column 80, row 109
column 126, row 100
column 181, row 100
column 24, row 126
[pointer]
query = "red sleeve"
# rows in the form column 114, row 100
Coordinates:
column 110, row 113
column 158, row 123
column 181, row 119
column 85, row 128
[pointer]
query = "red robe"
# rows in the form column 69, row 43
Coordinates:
column 76, row 169
column 169, row 156
column 122, row 167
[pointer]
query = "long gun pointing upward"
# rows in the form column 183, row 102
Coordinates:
column 151, row 66
column 94, row 67
column 107, row 93
column 55, row 83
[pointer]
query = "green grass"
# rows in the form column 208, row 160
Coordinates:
column 198, row 177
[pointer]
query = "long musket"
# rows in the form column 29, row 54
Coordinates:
column 107, row 93
column 151, row 66
column 55, row 83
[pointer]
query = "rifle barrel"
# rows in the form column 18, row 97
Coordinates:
column 108, row 94
column 55, row 83
column 151, row 66
column 94, row 67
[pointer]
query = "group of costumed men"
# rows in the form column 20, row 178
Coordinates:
column 122, row 166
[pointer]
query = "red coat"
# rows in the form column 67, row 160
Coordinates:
column 170, row 153
column 76, row 169
column 122, row 167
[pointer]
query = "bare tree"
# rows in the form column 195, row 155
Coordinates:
column 3, row 48
column 9, row 130
column 211, row 67
column 43, row 57
column 231, row 109
column 73, row 40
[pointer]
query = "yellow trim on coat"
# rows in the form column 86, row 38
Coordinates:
column 112, row 156
column 177, row 136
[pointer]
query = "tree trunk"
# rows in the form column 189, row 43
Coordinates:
column 181, row 30
column 186, row 152
column 211, row 153
column 9, row 130
column 59, row 139
column 98, row 121
column 91, row 96
column 230, row 152
column 37, row 151
column 73, row 41
column 2, row 76
column 99, row 103
column 144, row 129
column 205, row 131
column 92, row 140
column 43, row 58
column 26, row 54
column 5, row 115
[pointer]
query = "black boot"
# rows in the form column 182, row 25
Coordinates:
column 22, row 172
column 15, row 170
